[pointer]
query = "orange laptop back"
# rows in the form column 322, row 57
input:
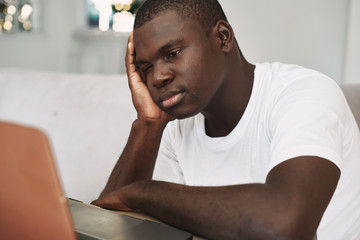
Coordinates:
column 32, row 204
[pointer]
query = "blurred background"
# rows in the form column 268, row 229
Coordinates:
column 89, row 36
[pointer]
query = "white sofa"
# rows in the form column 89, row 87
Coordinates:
column 86, row 117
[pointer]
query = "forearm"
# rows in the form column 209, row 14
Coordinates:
column 289, row 205
column 138, row 158
column 231, row 212
column 284, row 207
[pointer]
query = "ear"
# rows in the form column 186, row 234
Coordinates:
column 225, row 35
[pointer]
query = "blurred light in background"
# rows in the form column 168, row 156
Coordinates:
column 16, row 16
column 117, row 15
column 123, row 21
column 7, row 25
column 11, row 10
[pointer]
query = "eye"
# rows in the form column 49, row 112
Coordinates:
column 145, row 68
column 173, row 54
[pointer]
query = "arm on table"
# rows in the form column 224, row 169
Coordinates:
column 288, row 206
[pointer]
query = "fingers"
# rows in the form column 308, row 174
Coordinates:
column 112, row 201
column 141, row 97
column 130, row 55
column 133, row 75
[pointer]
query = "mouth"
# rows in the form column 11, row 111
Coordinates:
column 170, row 99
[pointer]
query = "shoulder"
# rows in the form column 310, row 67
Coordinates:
column 277, row 81
column 291, row 90
column 290, row 74
column 292, row 77
column 288, row 82
column 294, row 89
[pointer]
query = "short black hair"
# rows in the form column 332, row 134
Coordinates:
column 205, row 12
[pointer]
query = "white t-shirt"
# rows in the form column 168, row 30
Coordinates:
column 292, row 112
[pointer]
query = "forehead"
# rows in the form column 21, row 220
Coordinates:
column 163, row 29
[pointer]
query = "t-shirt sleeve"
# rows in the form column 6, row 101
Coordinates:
column 167, row 166
column 308, row 119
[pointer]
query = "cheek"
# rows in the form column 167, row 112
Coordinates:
column 191, row 70
column 200, row 78
column 153, row 93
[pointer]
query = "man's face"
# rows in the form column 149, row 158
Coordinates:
column 181, row 65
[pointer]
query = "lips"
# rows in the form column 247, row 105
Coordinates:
column 171, row 98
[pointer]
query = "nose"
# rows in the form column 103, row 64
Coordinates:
column 161, row 76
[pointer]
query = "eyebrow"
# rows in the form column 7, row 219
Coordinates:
column 169, row 44
column 162, row 49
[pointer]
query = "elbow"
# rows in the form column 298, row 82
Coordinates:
column 286, row 227
column 295, row 225
column 288, row 233
column 295, row 231
column 293, row 234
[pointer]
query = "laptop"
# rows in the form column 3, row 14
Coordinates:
column 33, row 206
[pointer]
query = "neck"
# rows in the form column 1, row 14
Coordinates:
column 228, row 106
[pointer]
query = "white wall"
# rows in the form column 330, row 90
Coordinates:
column 305, row 32
column 47, row 49
column 352, row 68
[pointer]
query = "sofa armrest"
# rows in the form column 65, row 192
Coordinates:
column 352, row 94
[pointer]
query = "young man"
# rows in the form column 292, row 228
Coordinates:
column 265, row 151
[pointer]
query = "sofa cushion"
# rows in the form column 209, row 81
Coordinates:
column 86, row 117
